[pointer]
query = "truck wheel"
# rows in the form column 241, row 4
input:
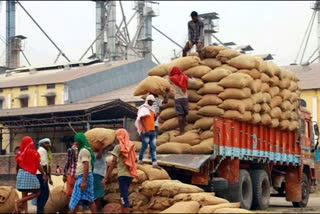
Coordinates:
column 305, row 191
column 245, row 189
column 261, row 189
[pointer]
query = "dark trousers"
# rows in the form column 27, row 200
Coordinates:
column 124, row 184
column 187, row 48
column 44, row 194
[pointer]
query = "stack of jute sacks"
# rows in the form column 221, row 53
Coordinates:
column 228, row 84
column 154, row 192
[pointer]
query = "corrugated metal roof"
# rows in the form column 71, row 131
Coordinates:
column 309, row 75
column 125, row 94
column 56, row 75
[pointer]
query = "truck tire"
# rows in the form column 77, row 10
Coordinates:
column 261, row 189
column 305, row 191
column 245, row 189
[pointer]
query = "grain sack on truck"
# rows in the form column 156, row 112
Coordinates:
column 174, row 148
column 153, row 173
column 100, row 137
column 191, row 137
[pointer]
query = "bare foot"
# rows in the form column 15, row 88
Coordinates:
column 16, row 206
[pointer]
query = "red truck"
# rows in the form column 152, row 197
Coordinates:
column 249, row 159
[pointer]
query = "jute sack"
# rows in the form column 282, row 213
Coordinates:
column 174, row 148
column 274, row 81
column 57, row 200
column 256, row 108
column 211, row 62
column 184, row 63
column 210, row 88
column 193, row 96
column 232, row 210
column 150, row 188
column 142, row 176
column 275, row 123
column 169, row 125
column 266, row 97
column 285, row 74
column 265, row 78
column 213, row 208
column 248, row 104
column 265, row 108
column 256, row 118
column 293, row 125
column 9, row 195
column 205, row 147
column 284, row 124
column 138, row 199
column 265, row 87
column 100, row 137
column 254, row 73
column 293, row 86
column 243, row 62
column 152, row 84
column 153, row 173
column 211, row 111
column 190, row 137
column 261, row 64
column 196, row 85
column 294, row 97
column 198, row 71
column 233, row 104
column 269, row 69
column 235, row 93
column 112, row 208
column 112, row 187
column 163, row 138
column 285, row 115
column 209, row 99
column 284, row 84
column 193, row 106
column 159, row 70
column 293, row 116
column 227, row 54
column 203, row 198
column 230, row 68
column 160, row 203
column 173, row 134
column 211, row 51
column 285, row 94
column 276, row 112
column 172, row 189
column 113, row 198
column 274, row 91
column 193, row 54
column 138, row 145
column 265, row 119
column 169, row 104
column 255, row 85
column 188, row 127
column 204, row 123
column 257, row 97
column 233, row 115
column 193, row 116
column 275, row 101
column 286, row 106
column 167, row 114
column 247, row 116
column 206, row 135
column 236, row 80
column 183, row 207
column 216, row 75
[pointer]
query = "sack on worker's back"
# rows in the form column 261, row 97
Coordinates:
column 235, row 93
column 100, row 137
column 169, row 125
column 198, row 71
column 211, row 111
column 236, row 80
column 152, row 84
column 9, row 195
column 204, row 123
column 57, row 200
column 211, row 51
column 213, row 208
column 183, row 207
column 211, row 62
column 209, row 99
column 159, row 70
column 167, row 114
column 154, row 173
column 174, row 148
column 205, row 147
column 216, row 75
column 191, row 137
column 210, row 88
column 184, row 63
column 203, row 198
column 243, row 62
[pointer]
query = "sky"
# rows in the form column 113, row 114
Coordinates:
column 275, row 27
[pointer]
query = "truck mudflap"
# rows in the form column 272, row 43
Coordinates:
column 190, row 162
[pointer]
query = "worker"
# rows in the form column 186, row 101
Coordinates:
column 156, row 108
column 195, row 34
column 83, row 189
column 28, row 162
column 145, row 124
column 44, row 147
column 59, row 170
column 180, row 82
column 69, row 171
column 125, row 157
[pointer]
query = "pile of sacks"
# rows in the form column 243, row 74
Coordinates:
column 228, row 84
column 8, row 196
column 154, row 192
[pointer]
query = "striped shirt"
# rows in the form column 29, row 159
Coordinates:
column 72, row 158
column 195, row 31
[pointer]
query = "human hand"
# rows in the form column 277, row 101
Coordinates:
column 64, row 178
column 190, row 44
column 167, row 90
column 199, row 44
column 82, row 186
column 50, row 181
column 103, row 183
column 45, row 178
